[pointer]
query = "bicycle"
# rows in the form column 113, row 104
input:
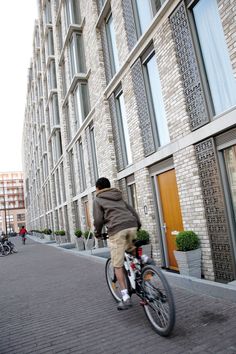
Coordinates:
column 149, row 283
column 4, row 249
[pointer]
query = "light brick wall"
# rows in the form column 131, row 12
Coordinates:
column 191, row 202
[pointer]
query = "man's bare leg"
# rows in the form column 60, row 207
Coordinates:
column 120, row 277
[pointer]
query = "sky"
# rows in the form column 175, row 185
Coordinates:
column 17, row 19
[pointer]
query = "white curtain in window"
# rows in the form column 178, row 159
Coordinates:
column 215, row 55
column 158, row 103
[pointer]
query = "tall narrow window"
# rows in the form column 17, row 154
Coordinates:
column 81, row 167
column 77, row 62
column 81, row 103
column 93, row 152
column 156, row 104
column 72, row 172
column 113, row 53
column 215, row 55
column 52, row 82
column 50, row 44
column 230, row 163
column 72, row 12
column 54, row 111
column 123, row 129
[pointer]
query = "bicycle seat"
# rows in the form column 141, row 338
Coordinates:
column 139, row 243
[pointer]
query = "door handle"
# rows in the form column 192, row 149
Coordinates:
column 164, row 227
column 174, row 233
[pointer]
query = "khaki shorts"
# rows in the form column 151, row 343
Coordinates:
column 119, row 243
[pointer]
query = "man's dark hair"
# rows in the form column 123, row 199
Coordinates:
column 102, row 183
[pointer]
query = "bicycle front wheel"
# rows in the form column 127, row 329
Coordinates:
column 159, row 306
column 112, row 282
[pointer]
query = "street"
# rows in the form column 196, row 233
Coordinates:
column 53, row 301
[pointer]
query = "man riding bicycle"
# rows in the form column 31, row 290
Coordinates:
column 122, row 223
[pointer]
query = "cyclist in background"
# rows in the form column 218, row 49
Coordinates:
column 23, row 232
column 122, row 223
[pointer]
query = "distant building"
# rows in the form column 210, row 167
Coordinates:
column 144, row 93
column 12, row 207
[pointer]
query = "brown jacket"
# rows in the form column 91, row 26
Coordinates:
column 111, row 210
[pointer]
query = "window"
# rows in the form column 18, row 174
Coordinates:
column 56, row 146
column 60, row 37
column 222, row 83
column 113, row 53
column 54, row 111
column 93, row 153
column 47, row 12
column 68, row 122
column 81, row 103
column 72, row 172
column 20, row 217
column 72, row 13
column 144, row 11
column 63, row 74
column 63, row 183
column 123, row 129
column 154, row 93
column 82, row 178
column 50, row 44
column 52, row 82
column 230, row 163
column 77, row 63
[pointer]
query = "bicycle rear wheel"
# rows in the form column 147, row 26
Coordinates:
column 6, row 249
column 112, row 282
column 159, row 307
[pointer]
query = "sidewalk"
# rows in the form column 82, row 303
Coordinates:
column 57, row 302
column 197, row 286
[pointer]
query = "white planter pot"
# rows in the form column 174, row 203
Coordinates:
column 61, row 239
column 89, row 243
column 147, row 249
column 79, row 243
column 189, row 262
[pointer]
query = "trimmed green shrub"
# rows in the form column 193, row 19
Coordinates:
column 60, row 232
column 143, row 235
column 47, row 231
column 187, row 241
column 78, row 233
column 88, row 234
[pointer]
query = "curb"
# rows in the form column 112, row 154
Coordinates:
column 192, row 284
column 202, row 286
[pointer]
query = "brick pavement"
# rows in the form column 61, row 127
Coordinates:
column 55, row 302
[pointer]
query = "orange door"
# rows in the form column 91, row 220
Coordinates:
column 171, row 212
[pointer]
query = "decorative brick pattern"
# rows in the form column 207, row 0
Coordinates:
column 143, row 111
column 215, row 211
column 188, row 67
column 130, row 28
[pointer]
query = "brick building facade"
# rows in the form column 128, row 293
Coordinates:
column 12, row 206
column 142, row 92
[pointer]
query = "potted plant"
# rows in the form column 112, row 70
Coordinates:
column 79, row 239
column 188, row 253
column 89, row 239
column 60, row 236
column 47, row 234
column 143, row 235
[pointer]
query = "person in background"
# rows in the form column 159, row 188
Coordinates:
column 23, row 232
